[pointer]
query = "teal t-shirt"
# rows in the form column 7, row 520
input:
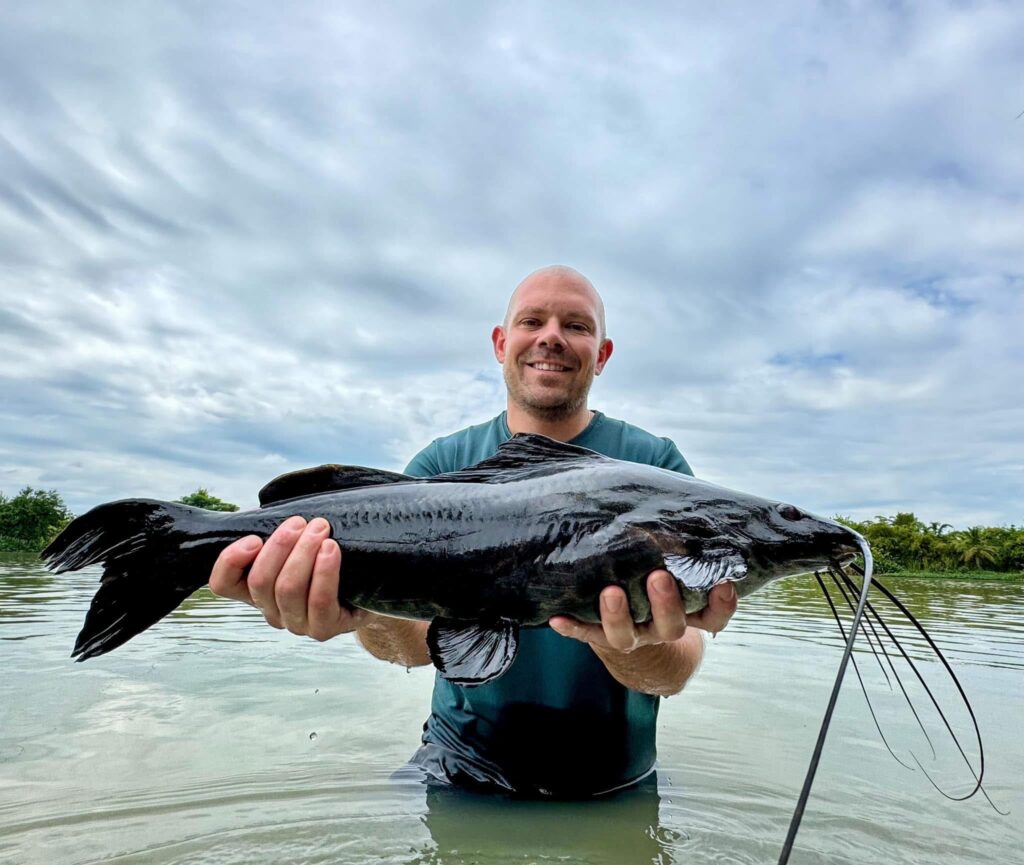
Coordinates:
column 556, row 723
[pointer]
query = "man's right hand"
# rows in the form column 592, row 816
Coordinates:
column 292, row 579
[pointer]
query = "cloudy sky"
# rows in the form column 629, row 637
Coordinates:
column 240, row 239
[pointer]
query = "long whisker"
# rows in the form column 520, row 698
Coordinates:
column 935, row 703
column 871, row 612
column 856, row 669
column 963, row 696
column 924, row 684
column 871, row 628
column 805, row 791
column 871, row 635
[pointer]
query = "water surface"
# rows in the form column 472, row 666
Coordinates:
column 214, row 739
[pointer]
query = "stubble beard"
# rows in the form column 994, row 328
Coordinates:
column 574, row 400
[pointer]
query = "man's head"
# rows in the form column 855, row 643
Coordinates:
column 552, row 343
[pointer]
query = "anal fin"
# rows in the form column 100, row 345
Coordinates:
column 472, row 653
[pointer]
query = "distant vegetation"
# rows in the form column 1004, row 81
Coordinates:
column 31, row 519
column 201, row 498
column 903, row 544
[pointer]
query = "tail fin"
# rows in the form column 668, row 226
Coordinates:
column 154, row 554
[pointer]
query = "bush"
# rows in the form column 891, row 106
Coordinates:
column 30, row 520
column 201, row 498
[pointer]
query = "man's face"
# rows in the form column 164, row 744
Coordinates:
column 551, row 346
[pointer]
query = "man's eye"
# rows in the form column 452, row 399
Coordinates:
column 580, row 327
column 529, row 322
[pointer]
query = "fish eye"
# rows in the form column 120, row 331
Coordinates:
column 789, row 512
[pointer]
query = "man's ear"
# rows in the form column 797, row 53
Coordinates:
column 498, row 341
column 603, row 353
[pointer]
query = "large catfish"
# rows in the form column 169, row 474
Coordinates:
column 538, row 530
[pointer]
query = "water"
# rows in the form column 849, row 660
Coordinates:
column 215, row 739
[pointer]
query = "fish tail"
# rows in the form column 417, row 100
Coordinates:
column 154, row 554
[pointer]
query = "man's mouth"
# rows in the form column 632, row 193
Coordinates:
column 545, row 366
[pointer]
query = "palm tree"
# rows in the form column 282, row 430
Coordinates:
column 974, row 548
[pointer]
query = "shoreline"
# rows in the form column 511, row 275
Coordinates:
column 989, row 576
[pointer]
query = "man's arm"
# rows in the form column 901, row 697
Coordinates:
column 293, row 580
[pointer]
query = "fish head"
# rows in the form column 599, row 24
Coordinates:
column 785, row 540
column 710, row 534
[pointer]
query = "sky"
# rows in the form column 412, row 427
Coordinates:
column 238, row 239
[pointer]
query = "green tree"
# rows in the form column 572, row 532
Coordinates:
column 1012, row 550
column 201, row 498
column 31, row 519
column 975, row 548
column 904, row 543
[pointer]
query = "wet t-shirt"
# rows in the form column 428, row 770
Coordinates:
column 556, row 723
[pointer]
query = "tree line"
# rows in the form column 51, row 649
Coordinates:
column 904, row 543
column 33, row 518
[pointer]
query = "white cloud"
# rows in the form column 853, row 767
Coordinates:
column 235, row 244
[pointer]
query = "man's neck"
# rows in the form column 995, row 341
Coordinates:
column 566, row 429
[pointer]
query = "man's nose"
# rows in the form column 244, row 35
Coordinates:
column 551, row 337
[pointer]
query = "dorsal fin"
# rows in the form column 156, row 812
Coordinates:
column 524, row 452
column 325, row 479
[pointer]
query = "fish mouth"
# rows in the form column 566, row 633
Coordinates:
column 846, row 549
column 845, row 553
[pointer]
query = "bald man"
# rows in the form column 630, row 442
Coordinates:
column 575, row 715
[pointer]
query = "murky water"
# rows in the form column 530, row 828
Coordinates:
column 214, row 739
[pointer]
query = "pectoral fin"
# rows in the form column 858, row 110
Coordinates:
column 472, row 653
column 703, row 572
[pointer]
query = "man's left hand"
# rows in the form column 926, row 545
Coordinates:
column 669, row 621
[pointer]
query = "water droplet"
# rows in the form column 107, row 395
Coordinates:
column 312, row 736
column 317, row 691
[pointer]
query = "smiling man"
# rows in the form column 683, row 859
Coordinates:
column 575, row 715
column 549, row 377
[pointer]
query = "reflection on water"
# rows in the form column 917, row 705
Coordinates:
column 474, row 827
column 193, row 744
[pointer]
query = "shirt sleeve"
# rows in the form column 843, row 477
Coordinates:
column 673, row 460
column 424, row 464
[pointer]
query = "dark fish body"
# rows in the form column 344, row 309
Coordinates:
column 536, row 531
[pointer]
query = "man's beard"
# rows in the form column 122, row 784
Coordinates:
column 574, row 400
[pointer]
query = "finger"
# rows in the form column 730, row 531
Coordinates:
column 616, row 621
column 227, row 578
column 722, row 600
column 327, row 618
column 577, row 630
column 265, row 570
column 668, row 613
column 291, row 588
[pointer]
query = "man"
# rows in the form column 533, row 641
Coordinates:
column 576, row 713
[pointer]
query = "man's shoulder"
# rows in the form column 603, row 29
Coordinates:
column 625, row 441
column 494, row 428
column 460, row 449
